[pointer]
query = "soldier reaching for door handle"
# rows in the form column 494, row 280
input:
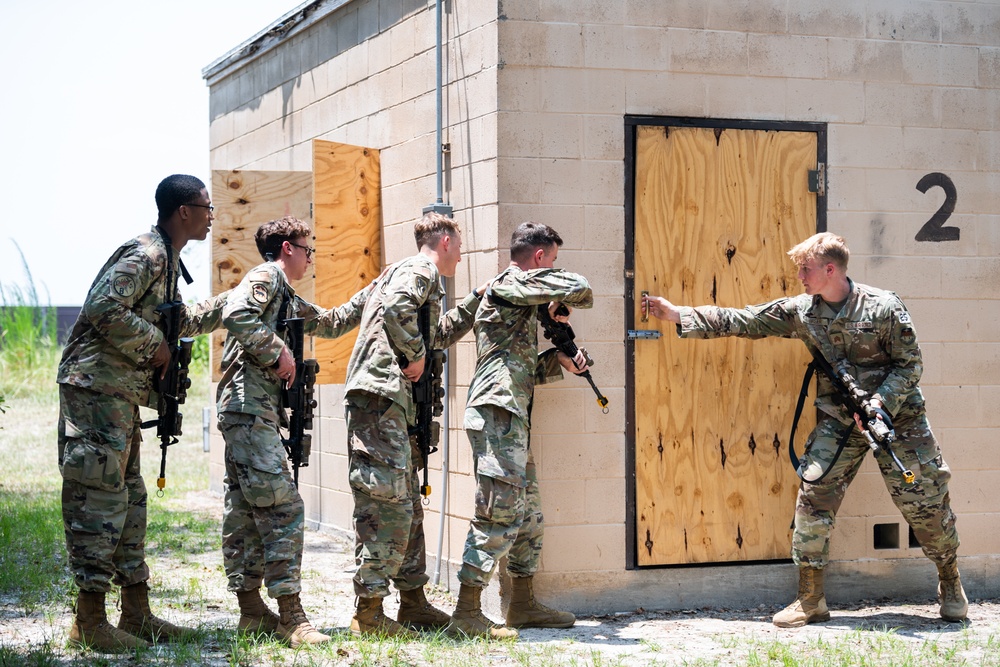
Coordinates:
column 869, row 332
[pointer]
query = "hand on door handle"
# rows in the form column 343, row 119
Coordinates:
column 660, row 308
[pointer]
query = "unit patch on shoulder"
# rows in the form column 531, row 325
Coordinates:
column 904, row 318
column 907, row 336
column 260, row 293
column 122, row 285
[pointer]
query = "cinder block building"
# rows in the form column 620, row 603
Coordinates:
column 680, row 147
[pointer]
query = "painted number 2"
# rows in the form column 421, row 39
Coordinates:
column 934, row 229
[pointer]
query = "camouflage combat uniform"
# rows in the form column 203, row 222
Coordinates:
column 874, row 334
column 264, row 516
column 388, row 515
column 508, row 516
column 105, row 374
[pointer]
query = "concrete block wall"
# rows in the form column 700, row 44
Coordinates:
column 364, row 74
column 906, row 88
column 535, row 98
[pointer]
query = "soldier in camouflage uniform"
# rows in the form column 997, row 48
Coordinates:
column 870, row 331
column 264, row 517
column 508, row 517
column 106, row 373
column 390, row 354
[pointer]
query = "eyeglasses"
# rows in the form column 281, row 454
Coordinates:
column 208, row 206
column 309, row 250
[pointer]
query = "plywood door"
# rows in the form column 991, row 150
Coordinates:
column 244, row 200
column 715, row 212
column 347, row 188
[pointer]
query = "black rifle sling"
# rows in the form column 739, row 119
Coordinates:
column 841, row 442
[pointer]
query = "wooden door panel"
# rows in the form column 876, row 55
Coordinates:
column 244, row 200
column 715, row 212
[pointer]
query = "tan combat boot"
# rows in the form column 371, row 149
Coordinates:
column 526, row 612
column 809, row 605
column 468, row 619
column 954, row 603
column 138, row 620
column 369, row 619
column 92, row 630
column 255, row 616
column 416, row 612
column 293, row 626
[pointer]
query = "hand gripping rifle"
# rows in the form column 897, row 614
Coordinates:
column 171, row 387
column 878, row 432
column 561, row 335
column 299, row 399
column 427, row 398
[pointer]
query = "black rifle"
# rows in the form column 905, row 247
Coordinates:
column 876, row 423
column 299, row 398
column 561, row 335
column 427, row 397
column 172, row 386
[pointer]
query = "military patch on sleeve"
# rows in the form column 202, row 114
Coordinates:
column 123, row 285
column 904, row 318
column 260, row 293
column 907, row 336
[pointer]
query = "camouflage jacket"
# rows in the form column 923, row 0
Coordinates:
column 507, row 363
column 116, row 335
column 250, row 383
column 389, row 329
column 872, row 332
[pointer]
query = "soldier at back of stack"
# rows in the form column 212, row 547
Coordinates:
column 869, row 332
column 390, row 354
column 508, row 516
column 106, row 373
column 264, row 516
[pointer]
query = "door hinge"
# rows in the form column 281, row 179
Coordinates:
column 817, row 180
column 644, row 334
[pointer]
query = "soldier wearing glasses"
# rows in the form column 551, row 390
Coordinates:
column 105, row 374
column 264, row 517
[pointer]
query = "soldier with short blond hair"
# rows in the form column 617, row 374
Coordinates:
column 389, row 355
column 869, row 333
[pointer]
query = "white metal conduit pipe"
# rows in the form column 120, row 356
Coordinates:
column 440, row 206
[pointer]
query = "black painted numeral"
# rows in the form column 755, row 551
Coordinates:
column 934, row 229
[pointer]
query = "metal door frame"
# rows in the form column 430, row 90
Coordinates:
column 631, row 123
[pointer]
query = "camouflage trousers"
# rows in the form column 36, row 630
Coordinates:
column 264, row 516
column 103, row 493
column 508, row 517
column 388, row 514
column 925, row 504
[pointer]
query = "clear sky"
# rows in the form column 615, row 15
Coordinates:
column 100, row 101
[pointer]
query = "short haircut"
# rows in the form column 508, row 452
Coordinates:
column 825, row 247
column 530, row 236
column 272, row 235
column 175, row 191
column 432, row 228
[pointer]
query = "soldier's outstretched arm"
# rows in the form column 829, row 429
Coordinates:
column 458, row 321
column 334, row 322
column 204, row 317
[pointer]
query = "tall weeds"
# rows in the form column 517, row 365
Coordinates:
column 28, row 341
